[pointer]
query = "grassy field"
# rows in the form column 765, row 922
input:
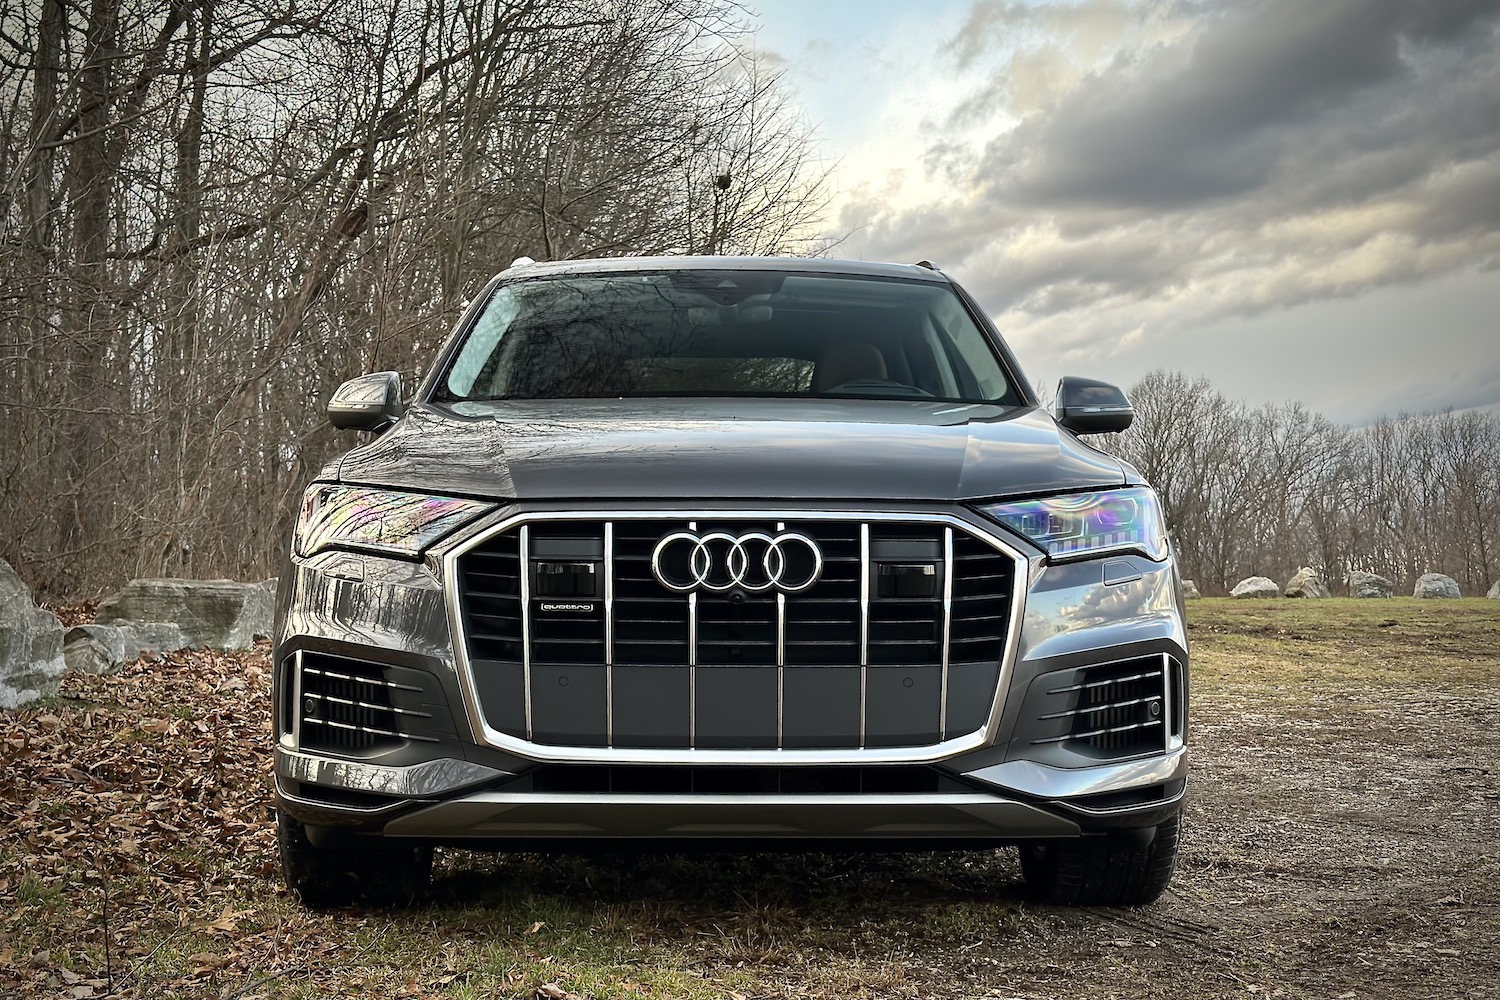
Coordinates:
column 1343, row 838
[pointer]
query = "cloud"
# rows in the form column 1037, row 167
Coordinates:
column 1155, row 165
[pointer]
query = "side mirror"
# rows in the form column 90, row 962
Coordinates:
column 1087, row 407
column 368, row 403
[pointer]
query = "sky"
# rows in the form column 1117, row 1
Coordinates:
column 1298, row 199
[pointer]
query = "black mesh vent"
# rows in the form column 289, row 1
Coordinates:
column 1112, row 710
column 982, row 586
column 347, row 706
column 492, row 599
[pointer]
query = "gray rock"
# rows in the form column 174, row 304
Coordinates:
column 1494, row 593
column 1436, row 585
column 150, row 639
column 94, row 649
column 1256, row 586
column 1190, row 591
column 1363, row 584
column 222, row 614
column 1307, row 582
column 31, row 640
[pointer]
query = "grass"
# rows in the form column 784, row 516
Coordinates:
column 1348, row 641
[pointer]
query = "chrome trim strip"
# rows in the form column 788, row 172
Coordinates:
column 1047, row 782
column 525, row 553
column 1133, row 727
column 431, row 777
column 864, row 626
column 296, row 720
column 1091, row 709
column 693, row 669
column 947, row 630
column 336, row 809
column 1097, row 684
column 1168, row 677
column 392, row 685
column 1155, row 804
column 335, row 699
column 781, row 660
column 609, row 633
column 975, row 528
column 373, row 730
column 780, row 670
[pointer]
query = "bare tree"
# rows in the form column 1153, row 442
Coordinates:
column 212, row 211
column 1267, row 490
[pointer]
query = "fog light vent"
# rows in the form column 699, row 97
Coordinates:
column 349, row 706
column 1114, row 709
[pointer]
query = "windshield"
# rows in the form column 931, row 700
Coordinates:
column 725, row 333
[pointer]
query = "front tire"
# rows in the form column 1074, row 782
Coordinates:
column 1112, row 870
column 322, row 877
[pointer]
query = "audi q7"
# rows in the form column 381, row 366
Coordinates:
column 745, row 553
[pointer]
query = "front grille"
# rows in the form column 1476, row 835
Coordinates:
column 574, row 641
column 351, row 707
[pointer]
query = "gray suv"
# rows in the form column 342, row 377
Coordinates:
column 738, row 552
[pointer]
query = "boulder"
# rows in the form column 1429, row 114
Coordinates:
column 1494, row 593
column 1307, row 582
column 31, row 644
column 222, row 614
column 1256, row 586
column 150, row 639
column 1363, row 584
column 1190, row 591
column 94, row 649
column 1436, row 585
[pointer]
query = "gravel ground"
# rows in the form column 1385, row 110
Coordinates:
column 1343, row 840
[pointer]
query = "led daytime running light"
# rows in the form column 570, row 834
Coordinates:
column 384, row 521
column 1082, row 525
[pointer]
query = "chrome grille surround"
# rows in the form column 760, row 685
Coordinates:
column 518, row 523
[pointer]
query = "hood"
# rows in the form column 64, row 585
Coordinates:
column 770, row 449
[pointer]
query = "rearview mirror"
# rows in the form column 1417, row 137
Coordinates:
column 1085, row 406
column 368, row 403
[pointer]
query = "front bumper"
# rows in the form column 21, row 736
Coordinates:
column 457, row 800
column 455, row 784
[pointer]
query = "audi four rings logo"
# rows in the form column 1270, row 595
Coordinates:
column 753, row 561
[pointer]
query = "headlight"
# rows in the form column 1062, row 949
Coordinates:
column 1082, row 525
column 369, row 520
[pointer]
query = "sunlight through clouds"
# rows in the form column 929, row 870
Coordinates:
column 1104, row 175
